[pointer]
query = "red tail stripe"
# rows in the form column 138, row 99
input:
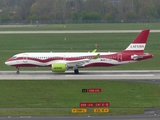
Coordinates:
column 142, row 37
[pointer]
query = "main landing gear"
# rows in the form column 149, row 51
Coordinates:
column 17, row 70
column 76, row 71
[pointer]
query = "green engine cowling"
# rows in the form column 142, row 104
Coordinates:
column 58, row 67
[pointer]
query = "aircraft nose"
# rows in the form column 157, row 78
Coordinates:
column 7, row 62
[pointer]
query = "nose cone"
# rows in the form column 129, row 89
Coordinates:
column 7, row 62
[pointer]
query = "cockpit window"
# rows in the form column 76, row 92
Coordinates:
column 14, row 57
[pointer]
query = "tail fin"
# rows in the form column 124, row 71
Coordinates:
column 138, row 45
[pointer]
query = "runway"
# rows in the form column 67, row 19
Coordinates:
column 83, row 75
column 75, row 31
column 122, row 117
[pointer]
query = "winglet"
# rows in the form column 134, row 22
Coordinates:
column 95, row 57
column 94, row 50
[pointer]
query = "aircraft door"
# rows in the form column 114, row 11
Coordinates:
column 25, row 58
column 64, row 57
column 119, row 56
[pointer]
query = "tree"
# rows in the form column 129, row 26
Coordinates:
column 143, row 13
column 136, row 6
column 111, row 12
column 33, row 17
column 124, row 6
column 95, row 6
column 90, row 16
column 157, row 5
column 84, row 15
column 110, row 16
column 74, row 15
column 152, row 11
column 5, row 16
column 24, row 8
column 130, row 15
column 33, row 8
column 85, row 9
column 94, row 16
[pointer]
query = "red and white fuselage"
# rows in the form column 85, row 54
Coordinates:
column 46, row 59
column 133, row 53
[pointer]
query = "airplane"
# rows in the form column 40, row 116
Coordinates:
column 60, row 62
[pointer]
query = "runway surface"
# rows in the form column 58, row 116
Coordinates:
column 75, row 31
column 127, row 117
column 83, row 75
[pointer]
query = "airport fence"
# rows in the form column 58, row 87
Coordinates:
column 46, row 22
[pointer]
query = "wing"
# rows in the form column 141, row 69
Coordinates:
column 77, row 63
column 80, row 63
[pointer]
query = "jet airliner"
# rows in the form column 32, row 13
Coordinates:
column 60, row 62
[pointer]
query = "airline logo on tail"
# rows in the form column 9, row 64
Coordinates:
column 136, row 47
column 139, row 43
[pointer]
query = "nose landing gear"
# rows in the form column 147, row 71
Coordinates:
column 17, row 70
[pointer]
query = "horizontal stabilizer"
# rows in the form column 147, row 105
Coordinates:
column 94, row 50
column 95, row 57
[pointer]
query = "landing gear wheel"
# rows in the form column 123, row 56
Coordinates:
column 17, row 70
column 76, row 71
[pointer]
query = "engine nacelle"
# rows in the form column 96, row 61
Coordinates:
column 59, row 67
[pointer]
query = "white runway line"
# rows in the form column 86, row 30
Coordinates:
column 75, row 31
column 148, row 75
column 84, row 75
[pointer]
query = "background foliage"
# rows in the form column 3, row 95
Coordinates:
column 19, row 10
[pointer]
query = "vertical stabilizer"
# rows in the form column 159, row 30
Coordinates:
column 138, row 45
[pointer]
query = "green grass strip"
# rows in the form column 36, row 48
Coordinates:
column 66, row 112
column 68, row 94
column 93, row 26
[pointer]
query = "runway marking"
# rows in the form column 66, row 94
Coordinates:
column 73, row 31
column 25, row 116
column 83, row 75
column 148, row 75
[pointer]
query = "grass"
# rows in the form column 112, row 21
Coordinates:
column 95, row 26
column 17, row 43
column 68, row 94
column 66, row 112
